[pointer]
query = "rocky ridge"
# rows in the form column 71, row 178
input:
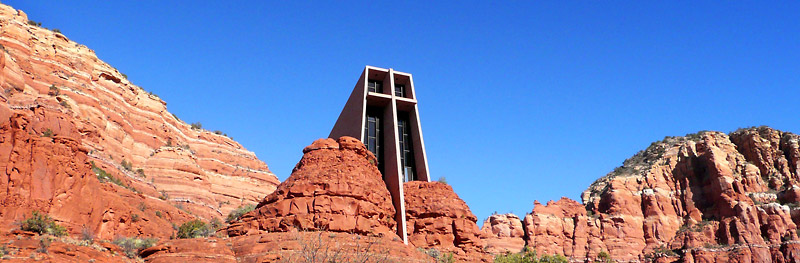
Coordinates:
column 122, row 129
column 705, row 197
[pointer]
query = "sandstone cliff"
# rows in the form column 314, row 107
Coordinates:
column 91, row 113
column 706, row 197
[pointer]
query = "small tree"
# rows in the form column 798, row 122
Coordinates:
column 132, row 245
column 47, row 133
column 193, row 229
column 42, row 224
column 443, row 180
column 239, row 212
column 54, row 91
column 197, row 125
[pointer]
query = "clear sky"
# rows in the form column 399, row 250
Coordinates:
column 519, row 101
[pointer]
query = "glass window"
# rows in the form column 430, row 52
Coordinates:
column 375, row 86
column 400, row 90
column 406, row 147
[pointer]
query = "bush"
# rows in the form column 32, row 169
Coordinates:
column 104, row 176
column 54, row 91
column 529, row 256
column 442, row 180
column 132, row 245
column 193, row 229
column 135, row 218
column 47, row 133
column 87, row 234
column 44, row 244
column 164, row 195
column 322, row 246
column 126, row 164
column 239, row 212
column 57, row 30
column 3, row 251
column 604, row 257
column 65, row 104
column 158, row 214
column 34, row 23
column 42, row 224
column 438, row 256
column 140, row 172
column 197, row 125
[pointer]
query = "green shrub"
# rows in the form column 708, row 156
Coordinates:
column 53, row 91
column 443, row 180
column 57, row 30
column 604, row 257
column 3, row 251
column 47, row 133
column 34, row 23
column 193, row 229
column 42, row 224
column 529, row 256
column 135, row 218
column 239, row 212
column 140, row 172
column 132, row 245
column 164, row 195
column 438, row 256
column 197, row 125
column 126, row 164
column 65, row 104
column 158, row 214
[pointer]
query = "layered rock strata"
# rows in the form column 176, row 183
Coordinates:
column 46, row 168
column 121, row 126
column 503, row 233
column 707, row 197
column 335, row 187
column 437, row 218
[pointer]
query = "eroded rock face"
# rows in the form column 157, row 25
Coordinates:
column 45, row 74
column 437, row 218
column 503, row 233
column 335, row 187
column 53, row 174
column 701, row 198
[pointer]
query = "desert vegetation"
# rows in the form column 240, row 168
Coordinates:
column 42, row 224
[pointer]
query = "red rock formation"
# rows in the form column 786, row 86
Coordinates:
column 28, row 247
column 45, row 74
column 321, row 246
column 503, row 233
column 53, row 174
column 700, row 198
column 335, row 187
column 335, row 205
column 437, row 218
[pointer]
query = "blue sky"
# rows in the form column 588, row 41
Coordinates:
column 519, row 101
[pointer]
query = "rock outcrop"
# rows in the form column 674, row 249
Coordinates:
column 335, row 187
column 47, row 169
column 437, row 218
column 707, row 197
column 334, row 207
column 503, row 233
column 120, row 126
